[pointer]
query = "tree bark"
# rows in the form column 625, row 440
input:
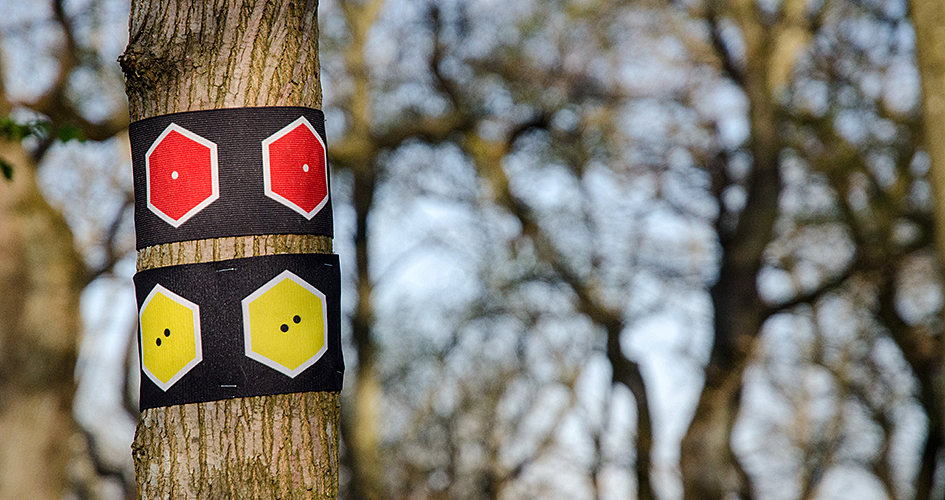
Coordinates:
column 192, row 55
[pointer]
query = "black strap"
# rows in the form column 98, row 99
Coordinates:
column 185, row 200
column 280, row 300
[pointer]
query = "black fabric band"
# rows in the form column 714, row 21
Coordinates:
column 239, row 328
column 270, row 174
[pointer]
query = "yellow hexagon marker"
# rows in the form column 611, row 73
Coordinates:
column 170, row 336
column 284, row 324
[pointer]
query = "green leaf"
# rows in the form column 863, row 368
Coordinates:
column 14, row 131
column 7, row 169
column 68, row 133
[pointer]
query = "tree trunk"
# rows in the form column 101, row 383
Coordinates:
column 360, row 422
column 928, row 17
column 710, row 469
column 41, row 277
column 193, row 55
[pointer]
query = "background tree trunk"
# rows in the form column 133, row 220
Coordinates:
column 186, row 56
column 928, row 18
column 710, row 469
column 361, row 422
column 41, row 277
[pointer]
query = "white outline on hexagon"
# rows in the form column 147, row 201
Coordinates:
column 247, row 335
column 267, row 176
column 214, row 174
column 198, row 357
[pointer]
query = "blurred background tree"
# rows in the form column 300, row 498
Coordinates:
column 592, row 249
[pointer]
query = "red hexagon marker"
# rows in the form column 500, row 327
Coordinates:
column 295, row 168
column 182, row 174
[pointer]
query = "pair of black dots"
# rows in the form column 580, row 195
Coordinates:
column 295, row 319
column 167, row 333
